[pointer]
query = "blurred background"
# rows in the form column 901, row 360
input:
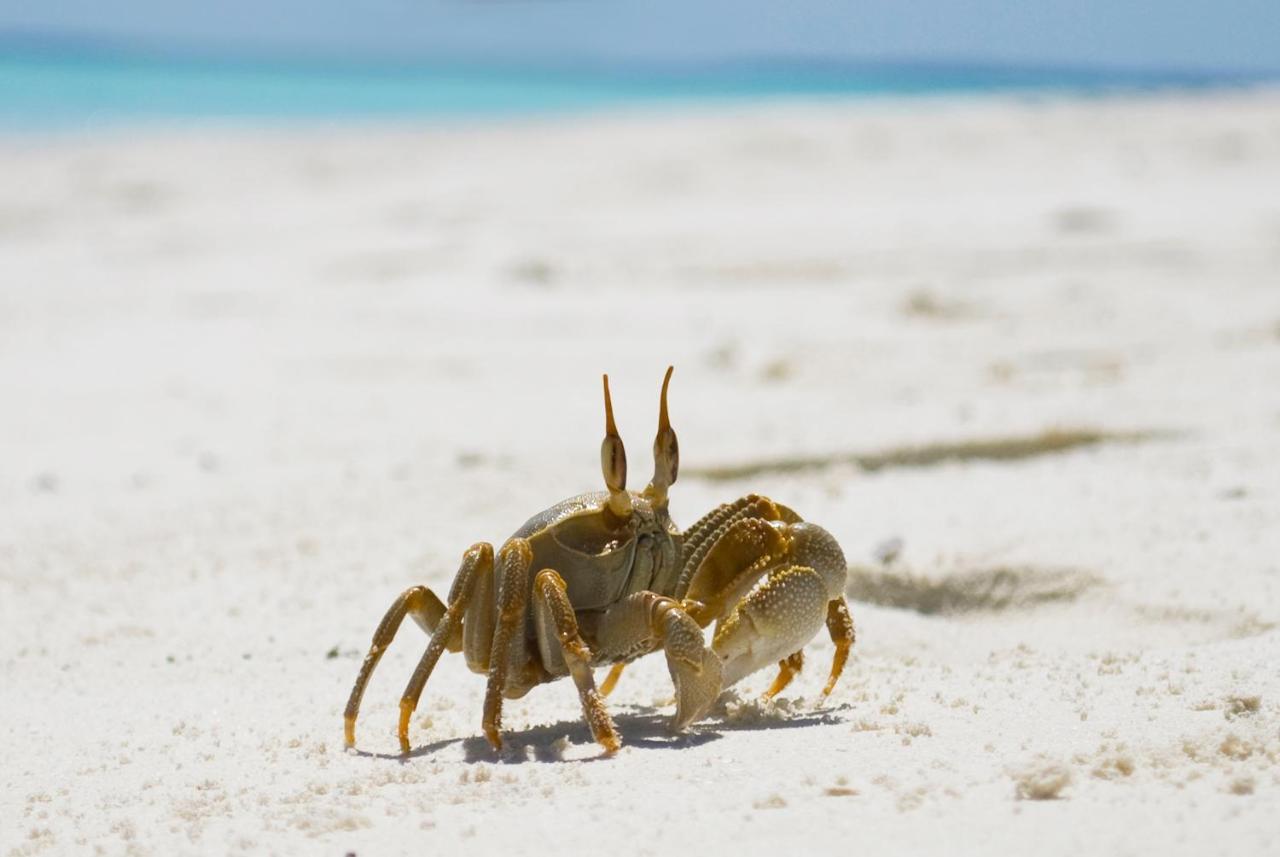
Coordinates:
column 78, row 60
column 292, row 235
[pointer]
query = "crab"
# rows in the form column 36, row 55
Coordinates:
column 606, row 577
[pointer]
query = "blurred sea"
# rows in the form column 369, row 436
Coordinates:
column 68, row 90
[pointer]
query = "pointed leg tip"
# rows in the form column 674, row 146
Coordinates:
column 406, row 711
column 604, row 731
column 349, row 732
column 403, row 734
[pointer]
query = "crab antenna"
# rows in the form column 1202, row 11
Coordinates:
column 613, row 460
column 666, row 450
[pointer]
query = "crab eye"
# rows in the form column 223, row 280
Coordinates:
column 613, row 460
column 666, row 456
column 666, row 450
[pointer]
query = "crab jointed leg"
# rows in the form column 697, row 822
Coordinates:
column 840, row 626
column 611, row 680
column 551, row 603
column 477, row 561
column 443, row 623
column 513, row 588
column 426, row 609
column 788, row 668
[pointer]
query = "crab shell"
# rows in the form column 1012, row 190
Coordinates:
column 601, row 559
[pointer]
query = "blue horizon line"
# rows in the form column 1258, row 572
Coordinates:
column 58, row 85
column 64, row 47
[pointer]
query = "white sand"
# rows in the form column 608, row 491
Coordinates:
column 252, row 384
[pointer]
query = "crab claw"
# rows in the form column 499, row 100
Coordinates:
column 695, row 670
column 697, row 686
column 775, row 620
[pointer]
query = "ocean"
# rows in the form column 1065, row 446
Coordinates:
column 41, row 91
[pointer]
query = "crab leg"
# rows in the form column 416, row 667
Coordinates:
column 711, row 528
column 740, row 556
column 840, row 626
column 477, row 560
column 428, row 611
column 611, row 680
column 514, row 561
column 478, row 622
column 553, row 600
column 788, row 668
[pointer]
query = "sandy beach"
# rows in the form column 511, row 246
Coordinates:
column 1020, row 356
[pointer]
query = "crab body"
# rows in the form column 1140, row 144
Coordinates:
column 602, row 561
column 607, row 577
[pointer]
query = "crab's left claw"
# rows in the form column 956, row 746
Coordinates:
column 696, row 671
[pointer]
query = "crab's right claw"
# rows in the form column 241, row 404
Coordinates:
column 695, row 670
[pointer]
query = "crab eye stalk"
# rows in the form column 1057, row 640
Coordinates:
column 613, row 460
column 666, row 451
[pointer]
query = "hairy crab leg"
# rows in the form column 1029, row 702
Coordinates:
column 840, row 626
column 478, row 622
column 428, row 612
column 477, row 560
column 711, row 528
column 553, row 598
column 742, row 554
column 514, row 561
column 788, row 668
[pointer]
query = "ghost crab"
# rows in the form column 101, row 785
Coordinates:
column 606, row 577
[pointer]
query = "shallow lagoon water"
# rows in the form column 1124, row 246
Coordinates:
column 65, row 89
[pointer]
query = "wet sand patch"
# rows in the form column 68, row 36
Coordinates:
column 1011, row 448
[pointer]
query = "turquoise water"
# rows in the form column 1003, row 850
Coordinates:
column 75, row 91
